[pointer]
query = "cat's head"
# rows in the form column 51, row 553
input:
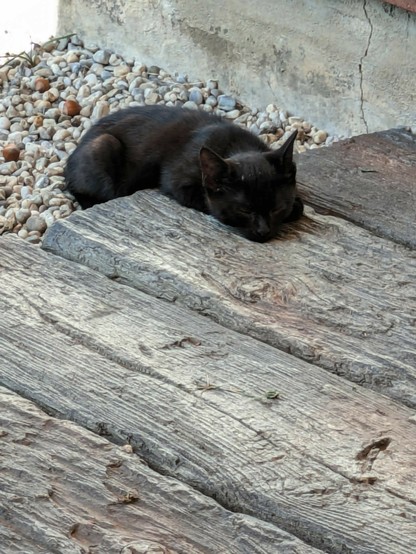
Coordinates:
column 254, row 191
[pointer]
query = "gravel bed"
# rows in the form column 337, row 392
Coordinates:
column 45, row 110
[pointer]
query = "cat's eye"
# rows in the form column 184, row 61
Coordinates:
column 245, row 210
column 279, row 211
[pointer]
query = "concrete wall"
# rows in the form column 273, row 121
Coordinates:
column 349, row 66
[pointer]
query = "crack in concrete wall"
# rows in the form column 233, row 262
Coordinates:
column 360, row 65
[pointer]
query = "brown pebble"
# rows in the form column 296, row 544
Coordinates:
column 38, row 121
column 11, row 153
column 71, row 108
column 42, row 84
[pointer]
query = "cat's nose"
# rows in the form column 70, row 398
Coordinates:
column 260, row 230
column 261, row 227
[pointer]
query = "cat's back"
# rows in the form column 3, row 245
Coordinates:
column 148, row 117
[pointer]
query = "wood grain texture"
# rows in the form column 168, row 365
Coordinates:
column 332, row 294
column 65, row 490
column 328, row 462
column 370, row 180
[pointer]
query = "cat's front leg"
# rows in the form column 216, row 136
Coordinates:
column 297, row 210
column 190, row 196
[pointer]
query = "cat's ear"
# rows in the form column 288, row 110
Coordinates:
column 284, row 155
column 213, row 167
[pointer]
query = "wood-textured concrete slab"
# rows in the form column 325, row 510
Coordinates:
column 258, row 430
column 65, row 490
column 330, row 293
column 369, row 179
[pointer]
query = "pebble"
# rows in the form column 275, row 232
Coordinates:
column 36, row 223
column 8, row 168
column 233, row 114
column 22, row 215
column 211, row 101
column 102, row 57
column 84, row 86
column 5, row 123
column 226, row 103
column 100, row 110
column 121, row 70
column 49, row 218
column 25, row 192
column 320, row 137
column 190, row 105
column 195, row 95
column 23, row 233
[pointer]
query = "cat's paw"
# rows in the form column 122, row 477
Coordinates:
column 297, row 210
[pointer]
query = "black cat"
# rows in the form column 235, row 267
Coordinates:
column 201, row 160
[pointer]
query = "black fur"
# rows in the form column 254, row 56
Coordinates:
column 201, row 160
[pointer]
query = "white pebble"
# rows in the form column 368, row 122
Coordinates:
column 71, row 57
column 5, row 123
column 195, row 95
column 8, row 168
column 121, row 70
column 11, row 112
column 91, row 79
column 52, row 113
column 25, row 192
column 23, row 233
column 61, row 134
column 153, row 98
column 233, row 114
column 86, row 110
column 36, row 223
column 254, row 129
column 83, row 92
column 100, row 110
column 56, row 170
column 319, row 137
column 22, row 214
column 190, row 105
column 15, row 137
column 271, row 108
column 51, row 95
column 42, row 181
column 102, row 57
column 48, row 218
